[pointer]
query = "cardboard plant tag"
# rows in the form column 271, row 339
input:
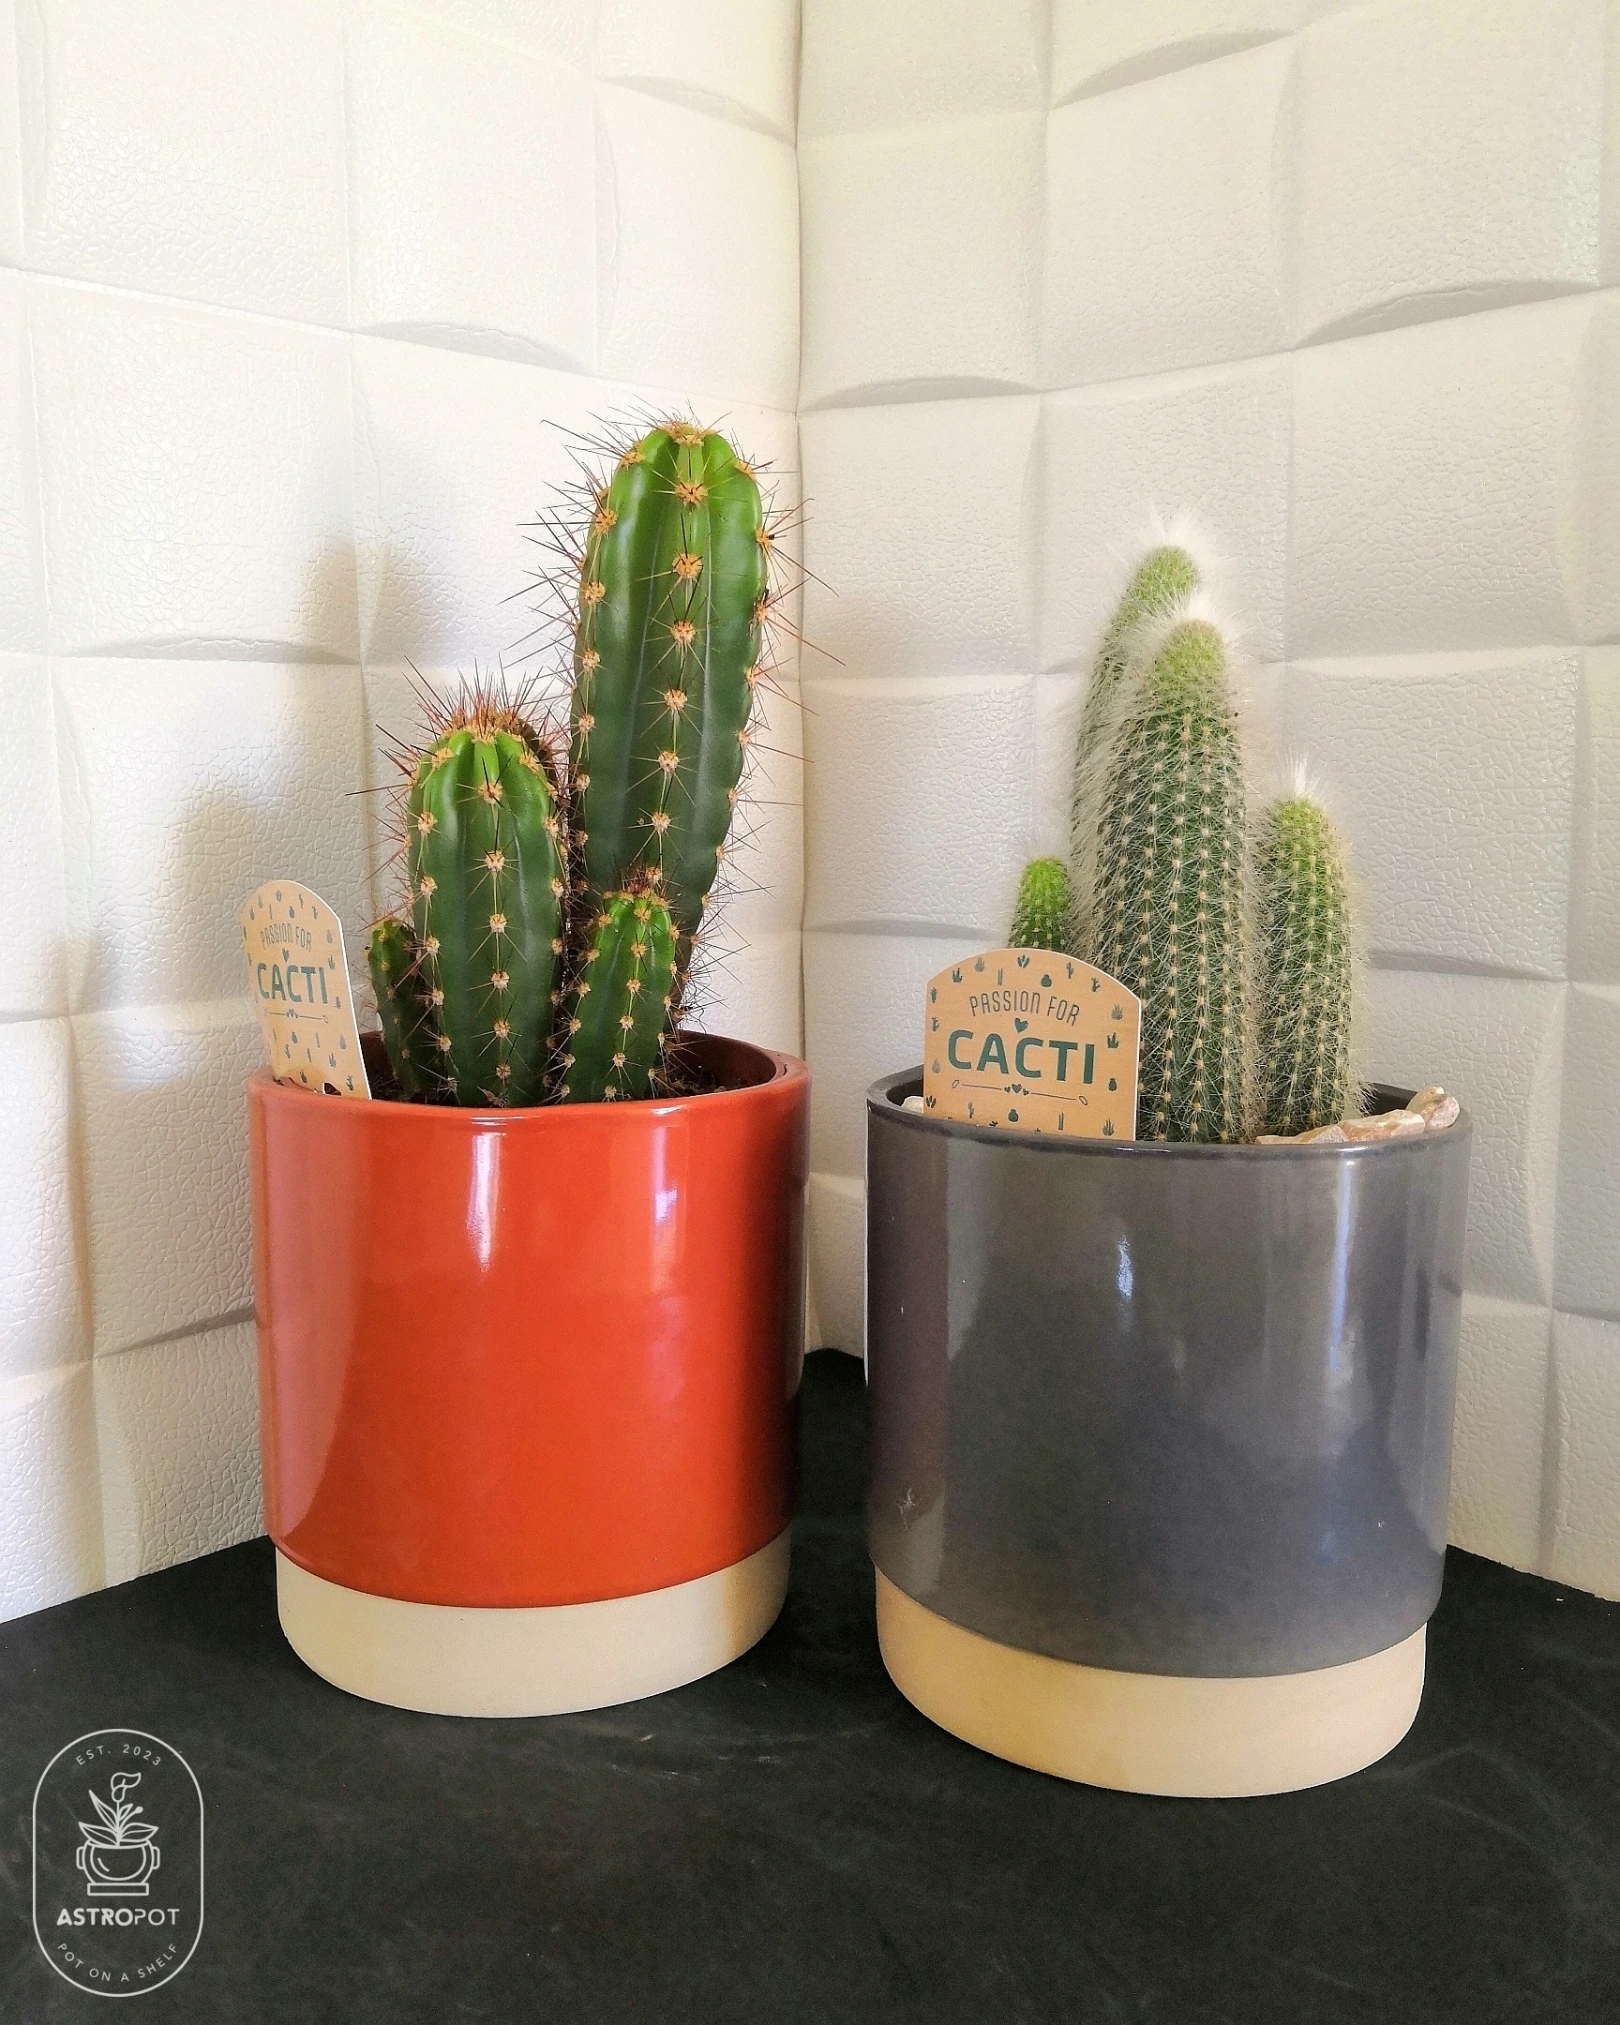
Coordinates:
column 300, row 982
column 1034, row 1042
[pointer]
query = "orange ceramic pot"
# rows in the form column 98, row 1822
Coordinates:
column 527, row 1382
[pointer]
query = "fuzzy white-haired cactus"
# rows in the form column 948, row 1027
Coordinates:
column 1306, row 964
column 1168, row 912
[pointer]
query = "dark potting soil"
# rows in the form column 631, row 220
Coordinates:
column 789, row 1841
column 683, row 1075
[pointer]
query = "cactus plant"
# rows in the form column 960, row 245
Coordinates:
column 1163, row 581
column 391, row 957
column 1164, row 871
column 1169, row 881
column 673, row 592
column 1044, row 915
column 486, row 853
column 531, row 888
column 618, row 1016
column 1306, row 968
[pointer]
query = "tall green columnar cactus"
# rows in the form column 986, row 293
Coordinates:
column 619, row 1013
column 488, row 881
column 1044, row 915
column 1162, row 582
column 673, row 592
column 1169, row 859
column 1306, row 966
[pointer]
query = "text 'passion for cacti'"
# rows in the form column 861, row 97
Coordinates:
column 560, row 878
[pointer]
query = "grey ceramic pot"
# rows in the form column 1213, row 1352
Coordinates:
column 1172, row 1410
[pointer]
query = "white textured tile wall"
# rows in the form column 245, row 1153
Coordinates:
column 296, row 305
column 290, row 301
column 1340, row 281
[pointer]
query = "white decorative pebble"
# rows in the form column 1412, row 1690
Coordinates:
column 1322, row 1135
column 1386, row 1125
column 1436, row 1109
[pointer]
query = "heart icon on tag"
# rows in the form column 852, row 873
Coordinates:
column 1021, row 1025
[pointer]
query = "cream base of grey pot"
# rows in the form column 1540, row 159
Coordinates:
column 1144, row 1732
column 543, row 1661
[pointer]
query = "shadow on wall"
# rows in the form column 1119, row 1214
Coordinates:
column 329, row 601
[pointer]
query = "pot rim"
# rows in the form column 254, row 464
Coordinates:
column 882, row 1100
column 785, row 1072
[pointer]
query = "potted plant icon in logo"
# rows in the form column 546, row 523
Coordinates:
column 118, row 1854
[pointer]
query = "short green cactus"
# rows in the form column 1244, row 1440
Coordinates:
column 1168, row 919
column 1044, row 915
column 486, row 853
column 1306, row 969
column 673, row 590
column 618, row 1016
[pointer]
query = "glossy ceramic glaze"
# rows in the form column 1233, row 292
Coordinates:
column 530, row 1357
column 1164, row 1409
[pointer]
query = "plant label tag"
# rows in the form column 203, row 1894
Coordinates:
column 300, row 982
column 1033, row 1042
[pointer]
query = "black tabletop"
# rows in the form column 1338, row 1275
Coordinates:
column 790, row 1841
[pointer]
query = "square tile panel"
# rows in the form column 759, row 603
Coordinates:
column 1183, row 267
column 945, row 215
column 1453, row 778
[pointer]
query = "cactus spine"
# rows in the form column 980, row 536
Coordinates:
column 1169, row 884
column 1306, row 966
column 619, row 1012
column 672, row 598
column 1044, row 915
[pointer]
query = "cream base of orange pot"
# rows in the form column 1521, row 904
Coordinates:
column 1144, row 1732
column 545, row 1661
